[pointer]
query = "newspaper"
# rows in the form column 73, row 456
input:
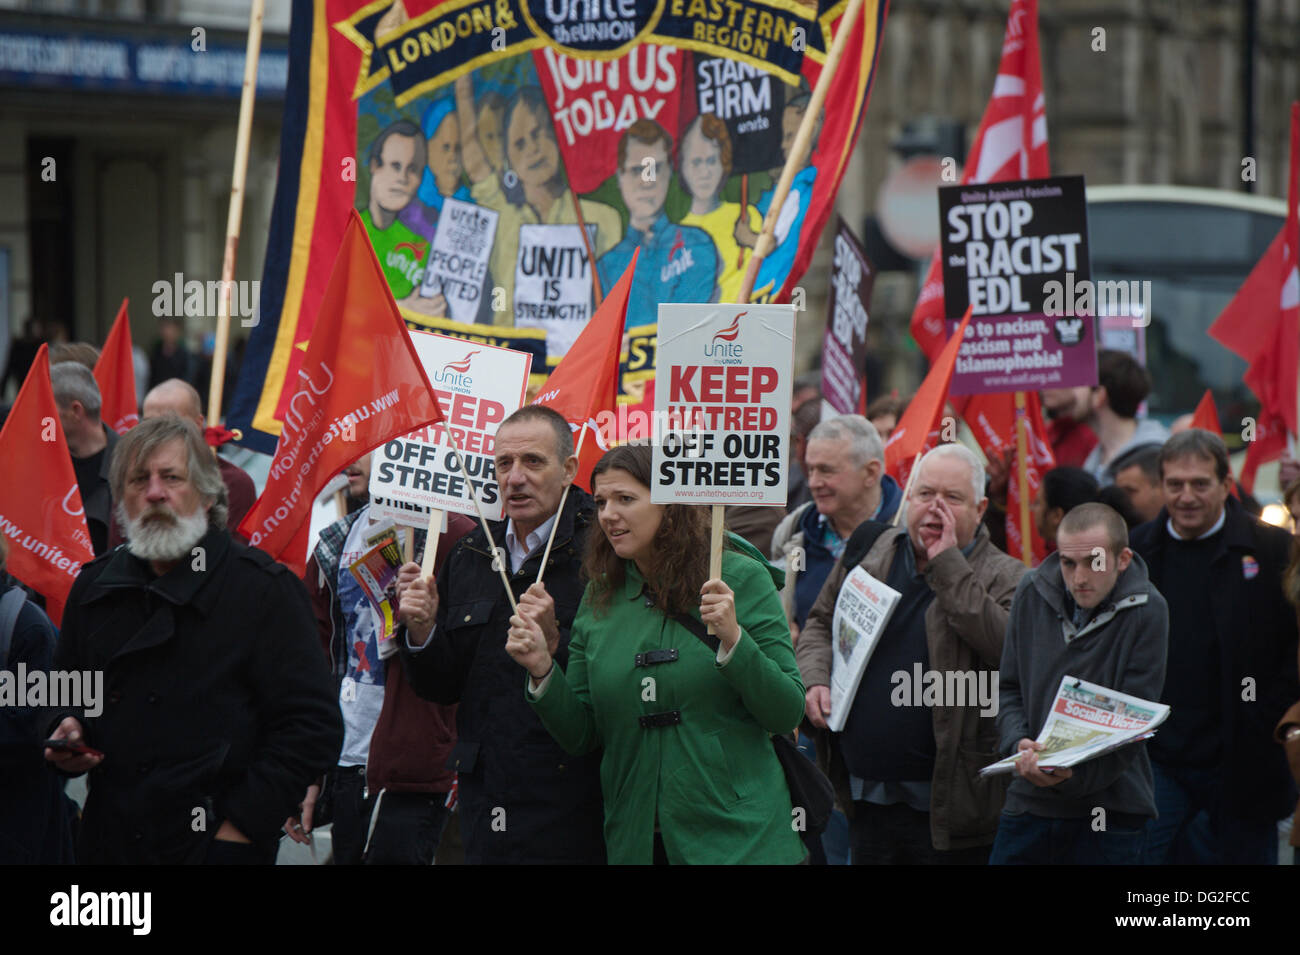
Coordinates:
column 862, row 609
column 376, row 572
column 1088, row 721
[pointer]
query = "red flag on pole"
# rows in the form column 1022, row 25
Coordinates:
column 115, row 373
column 360, row 384
column 1262, row 325
column 918, row 431
column 585, row 382
column 40, row 505
column 1011, row 143
column 1206, row 415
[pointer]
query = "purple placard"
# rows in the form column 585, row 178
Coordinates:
column 844, row 347
column 1016, row 252
column 1024, row 353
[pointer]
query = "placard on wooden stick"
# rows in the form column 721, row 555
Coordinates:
column 722, row 400
column 477, row 386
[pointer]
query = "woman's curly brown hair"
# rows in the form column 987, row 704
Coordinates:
column 681, row 545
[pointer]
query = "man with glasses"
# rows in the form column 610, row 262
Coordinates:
column 1221, row 783
column 678, row 263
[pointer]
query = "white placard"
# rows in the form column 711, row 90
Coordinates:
column 862, row 609
column 722, row 401
column 458, row 261
column 477, row 387
column 403, row 513
column 553, row 283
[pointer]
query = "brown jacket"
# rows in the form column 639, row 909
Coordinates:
column 965, row 627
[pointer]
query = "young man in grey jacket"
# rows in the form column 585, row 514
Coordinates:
column 1088, row 611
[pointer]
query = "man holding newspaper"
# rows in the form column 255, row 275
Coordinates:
column 1087, row 615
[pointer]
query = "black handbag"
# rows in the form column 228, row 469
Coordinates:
column 810, row 790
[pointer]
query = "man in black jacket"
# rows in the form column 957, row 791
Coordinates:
column 523, row 799
column 1221, row 782
column 218, row 707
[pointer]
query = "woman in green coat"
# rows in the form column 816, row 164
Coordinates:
column 688, row 772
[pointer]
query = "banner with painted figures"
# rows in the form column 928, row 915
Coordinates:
column 508, row 156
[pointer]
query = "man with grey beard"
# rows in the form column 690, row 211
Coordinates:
column 219, row 707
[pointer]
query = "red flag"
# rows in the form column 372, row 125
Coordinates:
column 918, row 431
column 1011, row 143
column 359, row 385
column 115, row 373
column 40, row 504
column 1268, row 445
column 1206, row 416
column 1262, row 325
column 584, row 385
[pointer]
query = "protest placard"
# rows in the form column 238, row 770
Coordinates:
column 1012, row 250
column 403, row 512
column 750, row 102
column 458, row 262
column 476, row 387
column 553, row 283
column 844, row 349
column 723, row 395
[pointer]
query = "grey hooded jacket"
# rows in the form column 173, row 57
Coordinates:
column 1122, row 647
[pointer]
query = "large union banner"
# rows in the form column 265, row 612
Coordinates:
column 508, row 156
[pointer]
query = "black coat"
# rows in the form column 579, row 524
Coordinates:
column 216, row 699
column 1256, row 632
column 35, row 821
column 523, row 799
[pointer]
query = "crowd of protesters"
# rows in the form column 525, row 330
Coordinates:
column 580, row 689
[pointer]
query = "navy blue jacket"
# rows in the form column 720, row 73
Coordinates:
column 819, row 560
column 1256, row 632
column 35, row 827
column 523, row 799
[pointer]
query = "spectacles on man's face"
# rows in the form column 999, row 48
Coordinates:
column 1200, row 485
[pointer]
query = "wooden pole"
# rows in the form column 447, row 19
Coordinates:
column 341, row 502
column 430, row 541
column 563, row 497
column 218, row 380
column 408, row 547
column 1022, row 480
column 501, row 567
column 794, row 162
column 744, row 215
column 597, row 292
column 715, row 545
column 801, row 148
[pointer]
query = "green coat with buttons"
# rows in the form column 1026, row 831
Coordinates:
column 711, row 782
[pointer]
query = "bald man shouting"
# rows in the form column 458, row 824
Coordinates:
column 178, row 397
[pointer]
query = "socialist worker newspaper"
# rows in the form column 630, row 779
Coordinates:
column 861, row 612
column 1088, row 721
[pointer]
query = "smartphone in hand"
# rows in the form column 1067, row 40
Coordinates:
column 71, row 746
